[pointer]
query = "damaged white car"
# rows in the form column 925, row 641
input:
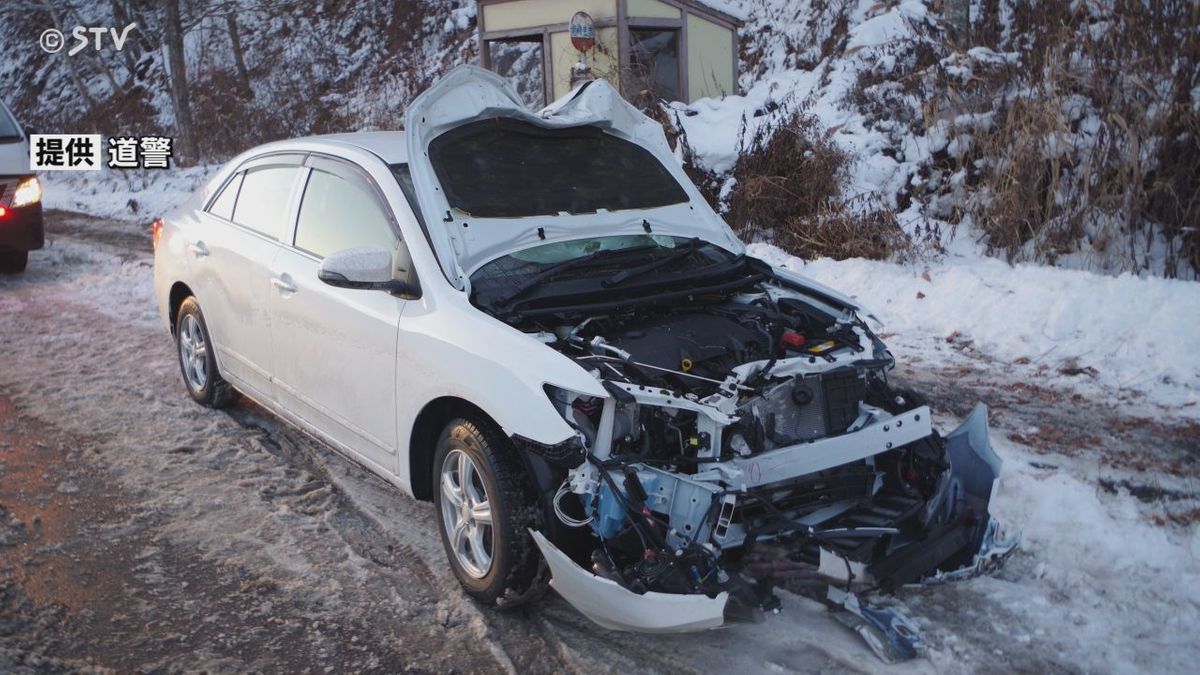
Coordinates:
column 536, row 321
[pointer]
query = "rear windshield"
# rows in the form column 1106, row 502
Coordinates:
column 504, row 168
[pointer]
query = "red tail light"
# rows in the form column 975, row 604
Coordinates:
column 156, row 231
column 3, row 212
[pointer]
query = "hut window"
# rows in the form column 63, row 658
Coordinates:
column 654, row 61
column 519, row 60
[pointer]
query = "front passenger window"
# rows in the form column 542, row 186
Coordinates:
column 337, row 214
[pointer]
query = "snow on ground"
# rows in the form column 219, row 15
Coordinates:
column 1137, row 334
column 1096, row 583
column 1101, row 583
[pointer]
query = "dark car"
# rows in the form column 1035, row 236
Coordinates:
column 21, row 229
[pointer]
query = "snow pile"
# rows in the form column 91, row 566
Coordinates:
column 780, row 78
column 1095, row 587
column 135, row 195
column 460, row 19
column 1136, row 333
column 919, row 119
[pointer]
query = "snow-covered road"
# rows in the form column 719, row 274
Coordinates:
column 139, row 531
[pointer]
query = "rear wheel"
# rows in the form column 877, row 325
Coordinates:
column 485, row 508
column 198, row 360
column 13, row 262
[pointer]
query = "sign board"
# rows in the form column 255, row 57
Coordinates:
column 583, row 31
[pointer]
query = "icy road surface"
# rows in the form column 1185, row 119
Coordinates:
column 139, row 531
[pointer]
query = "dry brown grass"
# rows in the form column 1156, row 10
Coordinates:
column 1094, row 147
column 842, row 232
column 787, row 167
column 788, row 186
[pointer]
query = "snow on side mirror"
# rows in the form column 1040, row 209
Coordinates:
column 372, row 268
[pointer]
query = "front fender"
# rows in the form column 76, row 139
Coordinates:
column 458, row 351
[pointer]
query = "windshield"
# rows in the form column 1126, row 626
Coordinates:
column 504, row 168
column 8, row 126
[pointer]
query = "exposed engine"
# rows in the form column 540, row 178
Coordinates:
column 758, row 416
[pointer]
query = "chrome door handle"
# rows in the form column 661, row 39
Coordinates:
column 282, row 285
column 198, row 249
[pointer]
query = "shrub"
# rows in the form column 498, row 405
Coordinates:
column 788, row 186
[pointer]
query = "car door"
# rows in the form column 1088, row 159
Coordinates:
column 335, row 348
column 232, row 255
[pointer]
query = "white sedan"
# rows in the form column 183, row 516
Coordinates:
column 535, row 320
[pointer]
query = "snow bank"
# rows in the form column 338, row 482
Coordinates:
column 1095, row 586
column 714, row 130
column 1138, row 333
column 135, row 195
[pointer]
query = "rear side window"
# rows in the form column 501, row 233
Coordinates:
column 222, row 206
column 337, row 214
column 263, row 201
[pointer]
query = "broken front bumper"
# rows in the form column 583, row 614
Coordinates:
column 957, row 516
column 613, row 606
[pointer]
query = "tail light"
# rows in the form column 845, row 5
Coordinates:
column 156, row 229
column 3, row 212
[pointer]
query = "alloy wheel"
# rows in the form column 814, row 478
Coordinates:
column 193, row 352
column 467, row 514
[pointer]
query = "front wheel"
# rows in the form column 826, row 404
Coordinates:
column 485, row 508
column 198, row 360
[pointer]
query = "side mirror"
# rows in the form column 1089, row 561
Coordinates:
column 372, row 268
column 29, row 131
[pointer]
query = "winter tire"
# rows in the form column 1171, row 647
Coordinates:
column 13, row 262
column 485, row 507
column 198, row 359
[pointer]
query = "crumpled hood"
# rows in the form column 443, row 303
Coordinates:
column 468, row 94
column 14, row 158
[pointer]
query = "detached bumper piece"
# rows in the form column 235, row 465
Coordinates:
column 887, row 632
column 963, row 538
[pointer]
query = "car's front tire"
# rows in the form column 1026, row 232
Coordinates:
column 198, row 359
column 485, row 507
column 13, row 262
